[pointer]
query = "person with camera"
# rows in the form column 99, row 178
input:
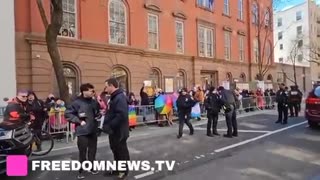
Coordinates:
column 84, row 112
column 229, row 102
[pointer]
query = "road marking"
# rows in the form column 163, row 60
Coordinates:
column 236, row 145
column 99, row 142
column 248, row 131
column 144, row 175
column 257, row 138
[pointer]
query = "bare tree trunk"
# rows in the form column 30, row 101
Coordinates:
column 52, row 31
column 294, row 75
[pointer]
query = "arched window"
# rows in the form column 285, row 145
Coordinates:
column 117, row 22
column 255, row 13
column 155, row 77
column 255, row 50
column 181, row 80
column 122, row 76
column 243, row 77
column 72, row 79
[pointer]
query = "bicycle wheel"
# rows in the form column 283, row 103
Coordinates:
column 42, row 145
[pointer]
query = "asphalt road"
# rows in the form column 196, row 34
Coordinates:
column 264, row 150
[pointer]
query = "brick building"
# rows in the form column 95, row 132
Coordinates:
column 168, row 43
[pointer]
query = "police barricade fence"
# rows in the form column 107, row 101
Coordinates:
column 148, row 114
column 139, row 115
column 57, row 124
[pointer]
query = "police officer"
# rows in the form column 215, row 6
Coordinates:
column 282, row 100
column 184, row 105
column 213, row 105
column 295, row 98
column 229, row 101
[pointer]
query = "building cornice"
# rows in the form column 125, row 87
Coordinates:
column 37, row 39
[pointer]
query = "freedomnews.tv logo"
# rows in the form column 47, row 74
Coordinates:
column 17, row 165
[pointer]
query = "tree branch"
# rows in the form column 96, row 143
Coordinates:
column 42, row 14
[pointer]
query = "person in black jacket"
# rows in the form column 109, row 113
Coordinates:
column 16, row 109
column 38, row 109
column 295, row 98
column 282, row 99
column 213, row 105
column 229, row 101
column 84, row 112
column 116, row 124
column 184, row 104
column 144, row 101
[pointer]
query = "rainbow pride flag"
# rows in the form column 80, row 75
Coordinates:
column 132, row 116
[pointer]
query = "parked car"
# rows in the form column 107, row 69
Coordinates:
column 15, row 138
column 312, row 110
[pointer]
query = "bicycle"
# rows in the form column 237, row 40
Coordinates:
column 44, row 139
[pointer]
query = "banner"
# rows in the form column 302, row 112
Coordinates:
column 195, row 111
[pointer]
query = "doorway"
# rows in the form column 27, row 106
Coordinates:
column 209, row 79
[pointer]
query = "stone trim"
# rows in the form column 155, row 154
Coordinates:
column 242, row 33
column 152, row 7
column 205, row 23
column 227, row 28
column 179, row 15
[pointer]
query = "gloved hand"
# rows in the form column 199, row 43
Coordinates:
column 107, row 129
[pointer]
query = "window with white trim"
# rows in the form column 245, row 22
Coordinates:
column 267, row 18
column 298, row 16
column 255, row 13
column 227, row 45
column 240, row 9
column 207, row 4
column 117, row 22
column 180, row 36
column 153, row 32
column 205, row 41
column 279, row 22
column 69, row 21
column 226, row 8
column 241, row 48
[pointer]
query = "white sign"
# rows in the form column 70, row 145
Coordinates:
column 226, row 84
column 260, row 85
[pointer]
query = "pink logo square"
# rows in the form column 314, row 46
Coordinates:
column 17, row 165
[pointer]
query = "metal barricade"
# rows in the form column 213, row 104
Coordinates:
column 57, row 124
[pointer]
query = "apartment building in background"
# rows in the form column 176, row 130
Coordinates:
column 167, row 44
column 295, row 41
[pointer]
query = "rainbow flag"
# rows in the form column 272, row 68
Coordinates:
column 132, row 116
